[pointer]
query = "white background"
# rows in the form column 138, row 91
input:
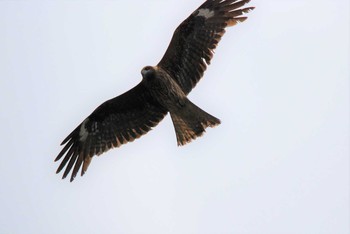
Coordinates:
column 279, row 82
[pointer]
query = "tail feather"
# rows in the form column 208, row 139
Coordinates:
column 190, row 122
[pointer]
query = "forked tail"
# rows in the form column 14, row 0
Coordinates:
column 190, row 122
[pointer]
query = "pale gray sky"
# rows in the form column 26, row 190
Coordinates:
column 279, row 82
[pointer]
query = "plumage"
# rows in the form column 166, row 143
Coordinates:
column 196, row 38
column 163, row 89
column 109, row 126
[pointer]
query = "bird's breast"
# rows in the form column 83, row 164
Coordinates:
column 166, row 91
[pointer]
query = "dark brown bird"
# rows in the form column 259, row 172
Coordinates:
column 163, row 89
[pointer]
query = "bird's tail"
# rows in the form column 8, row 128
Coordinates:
column 190, row 122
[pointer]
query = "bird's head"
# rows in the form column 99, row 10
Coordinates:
column 148, row 72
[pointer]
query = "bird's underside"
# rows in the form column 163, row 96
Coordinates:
column 163, row 89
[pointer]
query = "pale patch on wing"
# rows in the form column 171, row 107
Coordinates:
column 94, row 128
column 206, row 13
column 83, row 131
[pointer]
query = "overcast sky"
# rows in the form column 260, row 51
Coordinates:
column 279, row 82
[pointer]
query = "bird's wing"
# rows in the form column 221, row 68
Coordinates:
column 115, row 122
column 193, row 43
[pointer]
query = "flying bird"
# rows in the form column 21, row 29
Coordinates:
column 163, row 89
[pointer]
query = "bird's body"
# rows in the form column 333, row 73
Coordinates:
column 188, row 119
column 164, row 88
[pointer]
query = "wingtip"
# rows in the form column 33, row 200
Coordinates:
column 66, row 139
column 60, row 167
column 71, row 178
column 234, row 21
column 248, row 9
column 65, row 176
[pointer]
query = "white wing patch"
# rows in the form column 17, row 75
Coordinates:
column 83, row 132
column 206, row 13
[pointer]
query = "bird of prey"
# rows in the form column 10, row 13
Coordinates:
column 163, row 89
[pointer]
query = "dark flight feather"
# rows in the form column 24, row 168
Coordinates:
column 193, row 43
column 117, row 121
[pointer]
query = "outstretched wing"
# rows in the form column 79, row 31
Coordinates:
column 115, row 122
column 195, row 39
